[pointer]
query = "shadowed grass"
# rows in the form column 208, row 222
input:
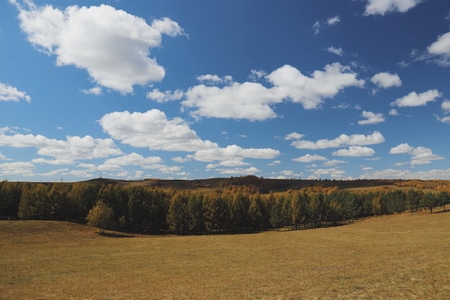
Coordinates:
column 393, row 257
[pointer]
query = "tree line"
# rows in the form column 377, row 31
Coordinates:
column 228, row 210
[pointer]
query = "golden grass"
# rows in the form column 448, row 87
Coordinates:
column 393, row 257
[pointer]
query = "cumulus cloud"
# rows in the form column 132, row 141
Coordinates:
column 153, row 130
column 386, row 80
column 445, row 106
column 165, row 96
column 214, row 79
column 63, row 152
column 419, row 155
column 93, row 91
column 110, row 44
column 234, row 152
column 293, row 136
column 343, row 140
column 331, row 172
column 310, row 158
column 441, row 50
column 445, row 120
column 17, row 168
column 239, row 171
column 10, row 93
column 248, row 100
column 371, row 118
column 381, row 7
column 393, row 112
column 132, row 159
column 354, row 151
column 253, row 101
column 310, row 91
column 414, row 99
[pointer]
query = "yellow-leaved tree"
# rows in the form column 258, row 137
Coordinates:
column 101, row 216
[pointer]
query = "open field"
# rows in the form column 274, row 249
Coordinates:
column 392, row 257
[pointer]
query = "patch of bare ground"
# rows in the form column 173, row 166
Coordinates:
column 393, row 257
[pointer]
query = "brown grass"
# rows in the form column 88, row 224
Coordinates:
column 393, row 257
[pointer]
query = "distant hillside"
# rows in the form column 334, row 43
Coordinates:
column 263, row 185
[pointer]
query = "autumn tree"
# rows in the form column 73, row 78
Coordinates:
column 101, row 216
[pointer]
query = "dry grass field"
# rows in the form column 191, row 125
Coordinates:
column 392, row 257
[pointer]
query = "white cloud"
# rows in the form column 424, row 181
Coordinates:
column 309, row 158
column 112, row 45
column 240, row 171
column 153, row 130
column 328, row 22
column 93, row 91
column 293, row 136
column 257, row 74
column 2, row 157
column 64, row 152
column 333, row 162
column 214, row 79
column 414, row 99
column 234, row 152
column 334, row 50
column 407, row 174
column 419, row 155
column 165, row 96
column 441, row 49
column 311, row 91
column 132, row 159
column 355, row 151
column 333, row 20
column 10, row 93
column 445, row 106
column 386, row 80
column 332, row 172
column 316, row 27
column 16, row 168
column 343, row 140
column 445, row 120
column 393, row 112
column 381, row 7
column 250, row 100
column 371, row 118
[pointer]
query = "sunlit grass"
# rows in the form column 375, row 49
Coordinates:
column 392, row 257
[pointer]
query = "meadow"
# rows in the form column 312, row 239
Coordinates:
column 402, row 256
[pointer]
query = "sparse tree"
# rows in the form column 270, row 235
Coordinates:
column 101, row 216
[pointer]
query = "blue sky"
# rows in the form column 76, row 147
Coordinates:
column 320, row 89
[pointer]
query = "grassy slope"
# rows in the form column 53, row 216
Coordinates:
column 401, row 256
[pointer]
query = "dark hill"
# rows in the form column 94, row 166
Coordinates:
column 262, row 185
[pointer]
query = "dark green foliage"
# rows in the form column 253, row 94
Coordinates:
column 10, row 193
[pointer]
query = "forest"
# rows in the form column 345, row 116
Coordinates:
column 229, row 209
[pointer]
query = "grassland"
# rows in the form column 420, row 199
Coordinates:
column 393, row 257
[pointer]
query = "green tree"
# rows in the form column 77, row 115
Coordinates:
column 298, row 204
column 429, row 200
column 216, row 213
column 413, row 199
column 178, row 215
column 101, row 216
column 443, row 198
column 276, row 212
